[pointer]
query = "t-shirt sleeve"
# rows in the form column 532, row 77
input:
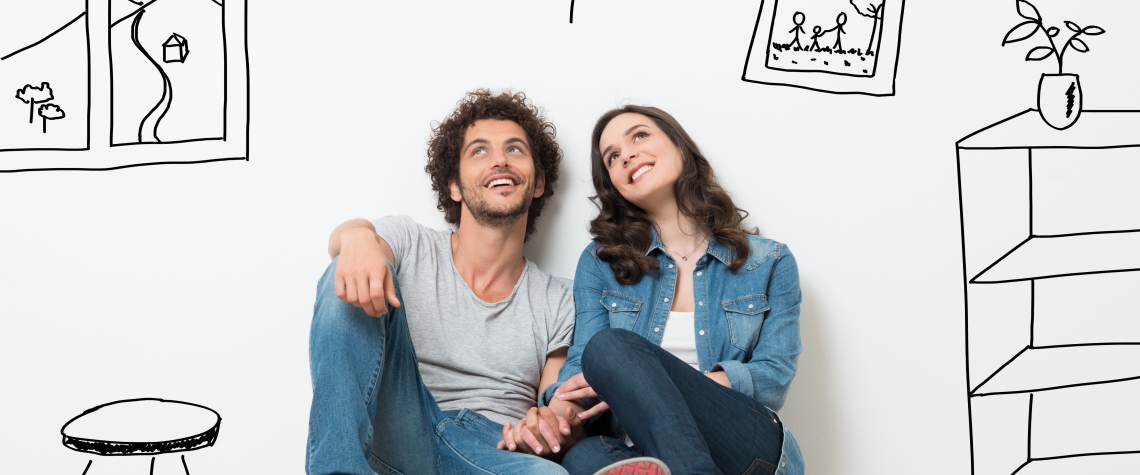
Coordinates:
column 563, row 326
column 400, row 234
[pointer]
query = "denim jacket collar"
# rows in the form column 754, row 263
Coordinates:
column 715, row 248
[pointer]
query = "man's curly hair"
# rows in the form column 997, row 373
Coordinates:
column 446, row 143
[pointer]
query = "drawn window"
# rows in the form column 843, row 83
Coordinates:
column 189, row 100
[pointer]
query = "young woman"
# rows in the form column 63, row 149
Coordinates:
column 687, row 323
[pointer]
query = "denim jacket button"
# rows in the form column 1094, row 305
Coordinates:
column 749, row 305
column 613, row 304
column 702, row 304
column 670, row 266
column 657, row 330
column 666, row 299
column 699, row 273
column 702, row 332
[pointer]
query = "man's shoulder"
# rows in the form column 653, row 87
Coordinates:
column 547, row 280
column 405, row 224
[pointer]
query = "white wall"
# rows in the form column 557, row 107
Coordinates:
column 195, row 282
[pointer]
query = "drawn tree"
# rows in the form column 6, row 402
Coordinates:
column 50, row 112
column 34, row 95
column 874, row 12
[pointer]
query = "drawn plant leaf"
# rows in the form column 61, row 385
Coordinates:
column 1039, row 53
column 1021, row 32
column 1079, row 45
column 1028, row 11
column 1093, row 30
column 1053, row 31
column 1072, row 26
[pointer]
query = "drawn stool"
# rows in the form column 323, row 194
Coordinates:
column 145, row 426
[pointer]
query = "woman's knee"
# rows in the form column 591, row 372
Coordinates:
column 607, row 350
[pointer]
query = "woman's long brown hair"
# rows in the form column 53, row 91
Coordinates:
column 621, row 230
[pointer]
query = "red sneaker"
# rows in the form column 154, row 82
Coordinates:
column 635, row 466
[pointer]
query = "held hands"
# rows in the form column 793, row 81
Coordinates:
column 577, row 388
column 537, row 435
column 362, row 275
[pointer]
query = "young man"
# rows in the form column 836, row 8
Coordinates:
column 425, row 344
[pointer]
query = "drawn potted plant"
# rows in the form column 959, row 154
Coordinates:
column 1059, row 98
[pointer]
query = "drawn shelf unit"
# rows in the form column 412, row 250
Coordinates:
column 1051, row 243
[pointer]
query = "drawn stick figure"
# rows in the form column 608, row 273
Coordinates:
column 798, row 19
column 839, row 22
column 816, row 33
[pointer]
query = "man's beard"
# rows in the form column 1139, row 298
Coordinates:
column 488, row 216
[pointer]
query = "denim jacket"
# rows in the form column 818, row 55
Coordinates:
column 747, row 321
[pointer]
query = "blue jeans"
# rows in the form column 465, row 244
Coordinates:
column 672, row 412
column 371, row 412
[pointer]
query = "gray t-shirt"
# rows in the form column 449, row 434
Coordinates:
column 486, row 357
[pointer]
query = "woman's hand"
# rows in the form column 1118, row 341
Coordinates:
column 536, row 434
column 577, row 388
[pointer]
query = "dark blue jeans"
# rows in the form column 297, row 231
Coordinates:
column 672, row 412
column 371, row 411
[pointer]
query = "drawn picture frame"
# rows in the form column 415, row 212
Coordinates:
column 799, row 43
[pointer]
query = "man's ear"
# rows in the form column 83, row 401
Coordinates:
column 539, row 185
column 453, row 188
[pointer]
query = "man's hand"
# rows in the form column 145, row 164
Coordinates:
column 577, row 388
column 543, row 432
column 362, row 275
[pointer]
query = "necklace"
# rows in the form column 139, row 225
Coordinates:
column 686, row 256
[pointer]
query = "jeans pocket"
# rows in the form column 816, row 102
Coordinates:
column 760, row 467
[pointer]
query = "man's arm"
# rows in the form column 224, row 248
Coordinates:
column 362, row 275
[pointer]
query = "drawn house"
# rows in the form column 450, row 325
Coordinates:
column 175, row 49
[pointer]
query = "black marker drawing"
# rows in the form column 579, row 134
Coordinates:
column 146, row 426
column 571, row 11
column 175, row 49
column 1059, row 97
column 44, row 56
column 178, row 75
column 157, row 94
column 1051, row 246
column 835, row 46
column 50, row 112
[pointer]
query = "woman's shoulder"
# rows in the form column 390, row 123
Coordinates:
column 762, row 249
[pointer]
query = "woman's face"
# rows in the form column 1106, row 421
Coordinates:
column 642, row 161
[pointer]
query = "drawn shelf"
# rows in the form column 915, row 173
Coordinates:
column 1038, row 204
column 1100, row 464
column 1043, row 257
column 1049, row 368
column 1096, row 129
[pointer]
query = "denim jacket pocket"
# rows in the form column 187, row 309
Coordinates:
column 745, row 317
column 623, row 309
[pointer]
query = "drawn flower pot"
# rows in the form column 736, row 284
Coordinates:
column 1059, row 99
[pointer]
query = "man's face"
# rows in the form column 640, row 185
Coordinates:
column 497, row 179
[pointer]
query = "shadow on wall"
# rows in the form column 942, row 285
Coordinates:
column 540, row 247
column 809, row 409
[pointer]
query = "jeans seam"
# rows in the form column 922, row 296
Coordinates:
column 370, row 400
column 613, row 449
